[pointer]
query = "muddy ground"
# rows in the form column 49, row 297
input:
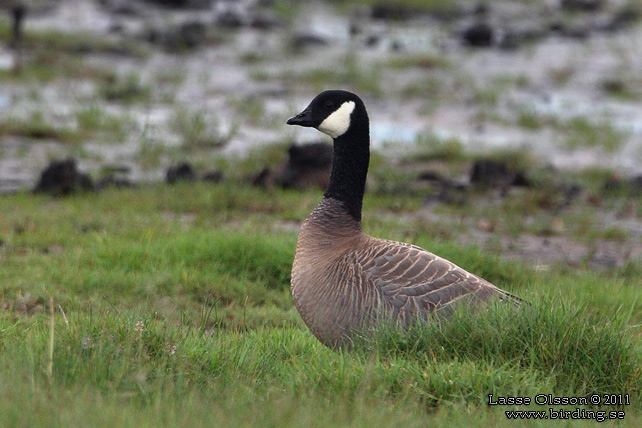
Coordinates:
column 139, row 87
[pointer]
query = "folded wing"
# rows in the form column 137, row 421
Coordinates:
column 413, row 282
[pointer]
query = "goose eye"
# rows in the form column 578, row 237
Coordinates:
column 329, row 104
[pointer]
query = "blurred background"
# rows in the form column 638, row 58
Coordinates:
column 132, row 88
column 512, row 125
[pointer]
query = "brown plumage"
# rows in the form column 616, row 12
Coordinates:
column 345, row 282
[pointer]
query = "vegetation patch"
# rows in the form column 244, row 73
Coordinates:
column 198, row 131
column 38, row 128
column 580, row 352
column 46, row 66
column 173, row 303
column 355, row 74
column 126, row 89
column 420, row 61
column 582, row 133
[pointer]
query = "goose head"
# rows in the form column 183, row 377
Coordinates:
column 333, row 112
column 342, row 115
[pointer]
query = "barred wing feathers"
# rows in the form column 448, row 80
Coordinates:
column 413, row 282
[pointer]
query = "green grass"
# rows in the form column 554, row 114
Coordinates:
column 432, row 147
column 354, row 73
column 583, row 133
column 576, row 133
column 579, row 352
column 422, row 61
column 49, row 55
column 97, row 120
column 531, row 120
column 126, row 89
column 82, row 43
column 172, row 306
column 38, row 128
column 91, row 122
column 72, row 43
column 45, row 66
column 198, row 131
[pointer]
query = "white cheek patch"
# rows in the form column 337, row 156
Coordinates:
column 338, row 122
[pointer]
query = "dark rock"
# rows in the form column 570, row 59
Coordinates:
column 623, row 18
column 170, row 3
column 445, row 190
column 479, row 34
column 183, row 4
column 181, row 172
column 262, row 21
column 229, row 19
column 490, row 173
column 431, row 176
column 372, row 40
column 305, row 40
column 354, row 29
column 613, row 85
column 127, row 9
column 265, row 178
column 314, row 155
column 623, row 186
column 192, row 33
column 116, row 28
column 156, row 37
column 390, row 11
column 520, row 180
column 187, row 35
column 586, row 5
column 494, row 173
column 556, row 25
column 396, row 46
column 213, row 176
column 579, row 31
column 123, row 7
column 613, row 184
column 449, row 193
column 571, row 191
column 636, row 184
column 308, row 166
column 63, row 178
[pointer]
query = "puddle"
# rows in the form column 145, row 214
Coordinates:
column 70, row 17
column 382, row 132
column 5, row 101
column 216, row 80
column 6, row 60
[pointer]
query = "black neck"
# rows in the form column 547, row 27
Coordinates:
column 350, row 166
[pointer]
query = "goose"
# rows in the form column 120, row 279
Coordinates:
column 345, row 282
